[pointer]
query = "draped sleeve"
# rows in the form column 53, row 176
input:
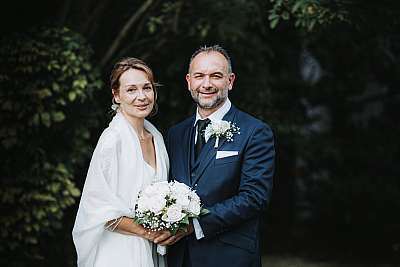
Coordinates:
column 113, row 182
column 100, row 201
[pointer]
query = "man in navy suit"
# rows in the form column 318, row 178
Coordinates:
column 232, row 177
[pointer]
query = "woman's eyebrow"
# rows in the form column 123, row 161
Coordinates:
column 138, row 84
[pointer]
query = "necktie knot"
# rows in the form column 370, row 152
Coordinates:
column 202, row 125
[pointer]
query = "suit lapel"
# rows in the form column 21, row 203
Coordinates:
column 209, row 151
column 230, row 116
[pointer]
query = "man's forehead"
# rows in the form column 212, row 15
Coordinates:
column 209, row 62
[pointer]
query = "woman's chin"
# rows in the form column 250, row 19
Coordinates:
column 139, row 114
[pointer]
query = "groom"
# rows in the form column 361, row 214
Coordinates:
column 232, row 177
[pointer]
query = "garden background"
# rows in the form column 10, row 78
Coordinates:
column 324, row 74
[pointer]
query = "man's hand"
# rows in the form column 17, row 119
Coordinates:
column 166, row 240
column 150, row 235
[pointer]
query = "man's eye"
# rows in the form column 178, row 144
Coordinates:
column 198, row 76
column 216, row 76
column 131, row 89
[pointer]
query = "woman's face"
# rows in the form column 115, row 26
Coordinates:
column 135, row 94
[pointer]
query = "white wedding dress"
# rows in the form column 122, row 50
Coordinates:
column 116, row 175
column 116, row 249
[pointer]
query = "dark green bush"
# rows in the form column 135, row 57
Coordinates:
column 47, row 82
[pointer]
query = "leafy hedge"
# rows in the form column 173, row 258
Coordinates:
column 47, row 82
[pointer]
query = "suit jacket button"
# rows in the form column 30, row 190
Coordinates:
column 193, row 175
column 195, row 185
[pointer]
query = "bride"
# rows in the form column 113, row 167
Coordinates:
column 129, row 155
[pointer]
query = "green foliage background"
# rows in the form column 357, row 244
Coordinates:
column 323, row 74
column 47, row 83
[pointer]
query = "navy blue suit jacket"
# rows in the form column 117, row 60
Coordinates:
column 235, row 189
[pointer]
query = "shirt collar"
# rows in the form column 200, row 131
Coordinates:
column 216, row 115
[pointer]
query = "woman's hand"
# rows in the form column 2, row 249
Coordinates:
column 129, row 226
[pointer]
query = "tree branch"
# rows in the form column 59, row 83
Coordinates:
column 125, row 30
column 91, row 25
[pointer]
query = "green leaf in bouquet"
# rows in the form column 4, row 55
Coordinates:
column 139, row 220
column 174, row 230
column 180, row 226
column 204, row 211
column 185, row 221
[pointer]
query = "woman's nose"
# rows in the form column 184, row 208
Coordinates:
column 141, row 95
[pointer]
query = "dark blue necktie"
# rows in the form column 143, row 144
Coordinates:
column 201, row 126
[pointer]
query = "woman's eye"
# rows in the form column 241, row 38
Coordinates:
column 147, row 88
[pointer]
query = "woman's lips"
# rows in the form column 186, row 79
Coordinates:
column 142, row 107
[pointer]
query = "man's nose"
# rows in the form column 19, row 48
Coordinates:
column 206, row 82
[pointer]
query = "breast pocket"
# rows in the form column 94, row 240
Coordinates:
column 226, row 160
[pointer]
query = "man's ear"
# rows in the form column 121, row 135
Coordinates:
column 188, row 81
column 232, row 77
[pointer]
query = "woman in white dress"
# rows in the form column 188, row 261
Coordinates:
column 129, row 155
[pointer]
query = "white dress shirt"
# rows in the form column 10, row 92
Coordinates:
column 215, row 116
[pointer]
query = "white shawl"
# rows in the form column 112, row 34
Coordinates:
column 113, row 181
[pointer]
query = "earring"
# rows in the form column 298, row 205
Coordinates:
column 114, row 105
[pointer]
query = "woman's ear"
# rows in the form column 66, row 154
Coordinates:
column 115, row 93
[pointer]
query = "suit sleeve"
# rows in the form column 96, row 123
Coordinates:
column 255, row 186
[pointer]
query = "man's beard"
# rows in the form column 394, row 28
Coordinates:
column 207, row 104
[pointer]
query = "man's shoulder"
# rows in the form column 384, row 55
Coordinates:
column 250, row 121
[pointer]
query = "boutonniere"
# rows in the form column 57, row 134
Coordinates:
column 220, row 129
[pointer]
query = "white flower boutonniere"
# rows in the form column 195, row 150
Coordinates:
column 220, row 129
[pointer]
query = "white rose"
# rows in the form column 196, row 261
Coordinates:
column 182, row 200
column 217, row 128
column 178, row 188
column 156, row 204
column 161, row 189
column 194, row 207
column 173, row 214
column 181, row 192
column 149, row 191
column 193, row 196
column 223, row 126
column 142, row 204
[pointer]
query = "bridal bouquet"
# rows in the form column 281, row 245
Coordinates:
column 167, row 206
